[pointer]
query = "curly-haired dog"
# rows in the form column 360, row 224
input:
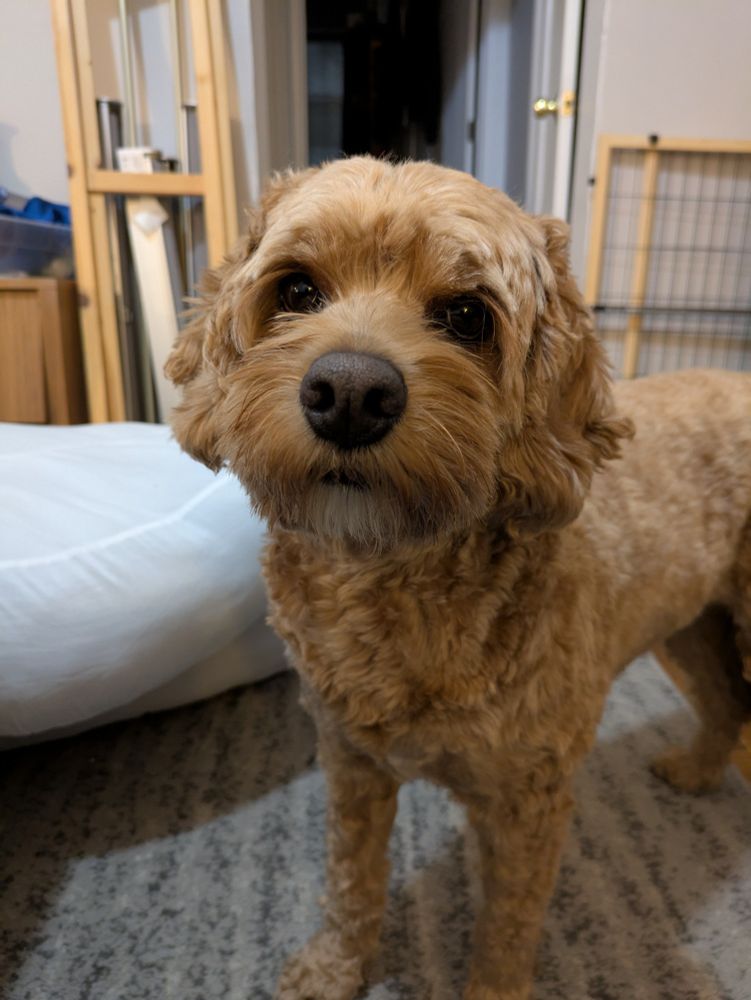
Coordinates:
column 397, row 365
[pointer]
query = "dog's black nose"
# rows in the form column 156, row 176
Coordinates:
column 352, row 399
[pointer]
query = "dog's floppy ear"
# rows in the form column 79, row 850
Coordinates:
column 208, row 348
column 570, row 426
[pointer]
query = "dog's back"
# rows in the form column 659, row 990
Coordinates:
column 691, row 452
column 672, row 517
column 695, row 401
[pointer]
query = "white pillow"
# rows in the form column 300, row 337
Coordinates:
column 129, row 577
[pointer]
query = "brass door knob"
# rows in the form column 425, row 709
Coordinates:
column 543, row 106
column 564, row 106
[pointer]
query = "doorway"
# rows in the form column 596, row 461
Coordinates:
column 455, row 82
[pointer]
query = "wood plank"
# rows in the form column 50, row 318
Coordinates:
column 54, row 362
column 165, row 185
column 71, row 370
column 22, row 386
column 113, row 364
column 599, row 218
column 641, row 263
column 83, row 240
column 63, row 364
column 86, row 89
column 208, row 131
column 220, row 60
column 677, row 145
column 105, row 284
column 29, row 284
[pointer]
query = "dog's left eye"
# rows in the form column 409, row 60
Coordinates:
column 297, row 293
column 466, row 318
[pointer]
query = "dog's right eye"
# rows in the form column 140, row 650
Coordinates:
column 465, row 318
column 298, row 294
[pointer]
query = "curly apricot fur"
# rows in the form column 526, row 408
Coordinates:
column 462, row 616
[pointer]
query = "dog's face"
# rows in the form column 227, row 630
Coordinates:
column 396, row 353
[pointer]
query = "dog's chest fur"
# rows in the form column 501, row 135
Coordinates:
column 408, row 655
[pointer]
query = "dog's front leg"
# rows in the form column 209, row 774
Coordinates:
column 361, row 810
column 520, row 839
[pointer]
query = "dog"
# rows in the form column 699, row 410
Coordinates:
column 471, row 528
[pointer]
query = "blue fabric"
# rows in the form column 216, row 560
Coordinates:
column 40, row 210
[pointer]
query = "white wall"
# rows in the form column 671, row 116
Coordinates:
column 678, row 68
column 32, row 150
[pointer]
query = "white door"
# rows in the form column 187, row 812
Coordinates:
column 554, row 70
column 501, row 58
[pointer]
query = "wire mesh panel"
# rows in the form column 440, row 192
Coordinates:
column 670, row 282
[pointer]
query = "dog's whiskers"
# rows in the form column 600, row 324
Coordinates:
column 432, row 419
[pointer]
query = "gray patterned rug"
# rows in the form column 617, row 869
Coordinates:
column 179, row 857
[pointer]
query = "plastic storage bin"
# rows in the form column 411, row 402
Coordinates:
column 35, row 248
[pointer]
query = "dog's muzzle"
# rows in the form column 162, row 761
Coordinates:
column 352, row 399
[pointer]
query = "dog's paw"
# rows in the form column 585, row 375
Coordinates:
column 320, row 972
column 680, row 769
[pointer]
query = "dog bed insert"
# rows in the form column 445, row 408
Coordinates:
column 129, row 578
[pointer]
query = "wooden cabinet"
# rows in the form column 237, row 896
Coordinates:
column 41, row 369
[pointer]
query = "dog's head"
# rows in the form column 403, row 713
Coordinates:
column 397, row 352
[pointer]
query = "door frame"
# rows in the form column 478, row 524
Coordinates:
column 525, row 51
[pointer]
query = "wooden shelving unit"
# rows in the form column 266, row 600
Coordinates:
column 90, row 184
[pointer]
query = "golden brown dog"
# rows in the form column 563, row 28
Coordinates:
column 397, row 365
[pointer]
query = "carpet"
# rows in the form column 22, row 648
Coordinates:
column 180, row 857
